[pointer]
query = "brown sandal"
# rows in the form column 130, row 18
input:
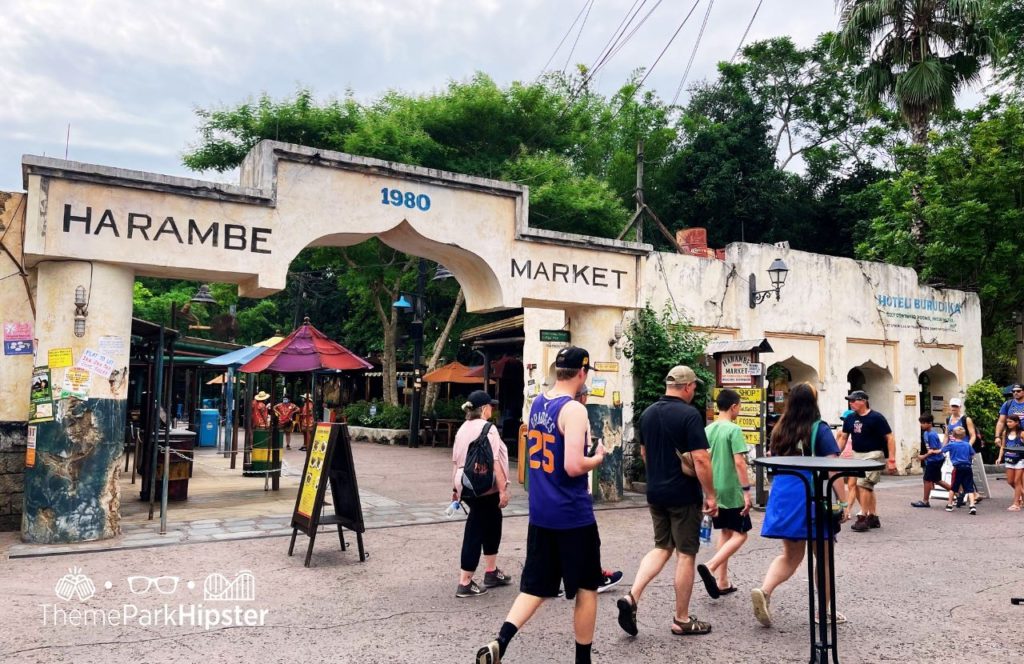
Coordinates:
column 691, row 626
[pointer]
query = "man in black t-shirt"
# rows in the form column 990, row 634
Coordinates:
column 872, row 439
column 669, row 429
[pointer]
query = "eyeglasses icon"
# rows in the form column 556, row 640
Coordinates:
column 165, row 585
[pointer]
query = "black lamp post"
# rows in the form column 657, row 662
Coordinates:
column 777, row 272
column 418, row 307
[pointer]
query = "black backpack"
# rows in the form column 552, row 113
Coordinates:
column 478, row 470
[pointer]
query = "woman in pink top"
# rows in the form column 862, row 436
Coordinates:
column 483, row 527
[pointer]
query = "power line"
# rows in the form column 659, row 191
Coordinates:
column 565, row 36
column 626, row 20
column 578, row 35
column 622, row 43
column 747, row 31
column 693, row 53
column 671, row 39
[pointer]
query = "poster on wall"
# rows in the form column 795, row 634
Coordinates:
column 41, row 398
column 30, row 450
column 96, row 363
column 18, row 338
column 58, row 358
column 76, row 384
column 597, row 387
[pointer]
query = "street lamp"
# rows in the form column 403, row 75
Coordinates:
column 417, row 306
column 777, row 272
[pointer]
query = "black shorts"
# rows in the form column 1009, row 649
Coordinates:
column 963, row 479
column 572, row 556
column 732, row 519
column 933, row 472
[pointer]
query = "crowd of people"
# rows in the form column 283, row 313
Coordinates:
column 693, row 471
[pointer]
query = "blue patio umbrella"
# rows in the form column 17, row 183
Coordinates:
column 232, row 361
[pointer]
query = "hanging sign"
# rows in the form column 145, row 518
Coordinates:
column 41, row 398
column 755, row 368
column 611, row 367
column 58, row 358
column 18, row 338
column 749, row 394
column 556, row 336
column 747, row 422
column 735, row 368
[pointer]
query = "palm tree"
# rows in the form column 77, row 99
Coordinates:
column 916, row 54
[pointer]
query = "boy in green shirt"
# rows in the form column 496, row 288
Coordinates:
column 729, row 466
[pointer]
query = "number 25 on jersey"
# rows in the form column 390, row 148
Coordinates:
column 539, row 442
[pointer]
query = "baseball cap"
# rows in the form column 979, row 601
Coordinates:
column 1017, row 386
column 681, row 375
column 857, row 394
column 479, row 399
column 956, row 401
column 573, row 357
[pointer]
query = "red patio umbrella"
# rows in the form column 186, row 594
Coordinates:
column 305, row 349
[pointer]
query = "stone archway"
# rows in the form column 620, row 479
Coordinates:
column 782, row 376
column 92, row 229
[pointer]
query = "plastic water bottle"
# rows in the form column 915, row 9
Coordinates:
column 452, row 509
column 705, row 529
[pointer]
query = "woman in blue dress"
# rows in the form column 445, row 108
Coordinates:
column 800, row 432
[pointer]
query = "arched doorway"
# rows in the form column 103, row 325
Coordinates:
column 938, row 386
column 877, row 382
column 781, row 376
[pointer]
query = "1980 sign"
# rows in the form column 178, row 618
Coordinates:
column 408, row 199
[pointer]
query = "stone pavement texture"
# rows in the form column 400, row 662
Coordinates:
column 928, row 586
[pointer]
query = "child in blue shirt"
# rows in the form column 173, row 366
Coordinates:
column 931, row 459
column 960, row 453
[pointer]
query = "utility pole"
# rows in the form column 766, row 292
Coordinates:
column 642, row 208
column 638, row 195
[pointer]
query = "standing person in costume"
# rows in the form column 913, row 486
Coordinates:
column 307, row 421
column 260, row 411
column 286, row 412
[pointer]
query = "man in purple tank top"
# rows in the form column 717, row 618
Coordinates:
column 562, row 545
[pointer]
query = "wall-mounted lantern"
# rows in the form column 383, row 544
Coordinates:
column 777, row 272
column 81, row 311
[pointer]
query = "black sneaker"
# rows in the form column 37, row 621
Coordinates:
column 873, row 521
column 973, row 510
column 609, row 580
column 471, row 590
column 949, row 507
column 496, row 578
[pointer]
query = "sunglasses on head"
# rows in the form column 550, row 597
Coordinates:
column 1016, row 391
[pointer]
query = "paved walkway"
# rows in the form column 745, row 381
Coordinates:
column 408, row 487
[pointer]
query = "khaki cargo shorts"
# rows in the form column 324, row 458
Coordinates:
column 871, row 478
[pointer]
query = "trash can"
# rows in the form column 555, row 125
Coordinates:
column 209, row 421
column 263, row 454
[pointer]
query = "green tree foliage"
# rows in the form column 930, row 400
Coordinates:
column 1005, row 18
column 974, row 207
column 915, row 55
column 982, row 403
column 655, row 343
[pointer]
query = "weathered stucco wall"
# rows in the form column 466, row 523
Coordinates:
column 16, row 293
column 835, row 314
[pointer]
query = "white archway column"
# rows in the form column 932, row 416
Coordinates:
column 594, row 328
column 71, row 492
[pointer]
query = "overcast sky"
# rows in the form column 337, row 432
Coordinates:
column 128, row 75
